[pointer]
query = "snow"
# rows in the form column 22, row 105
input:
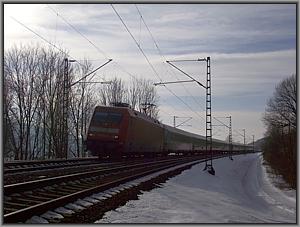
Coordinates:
column 240, row 192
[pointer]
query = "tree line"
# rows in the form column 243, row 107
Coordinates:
column 32, row 102
column 280, row 146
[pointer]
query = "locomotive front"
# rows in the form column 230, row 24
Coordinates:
column 107, row 132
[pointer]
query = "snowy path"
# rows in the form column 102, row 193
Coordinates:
column 239, row 192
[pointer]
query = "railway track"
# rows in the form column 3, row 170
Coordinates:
column 24, row 200
column 27, row 166
column 20, row 175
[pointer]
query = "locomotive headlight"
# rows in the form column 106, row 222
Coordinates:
column 116, row 137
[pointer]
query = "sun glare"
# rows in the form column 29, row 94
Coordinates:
column 24, row 13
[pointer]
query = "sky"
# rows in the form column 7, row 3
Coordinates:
column 252, row 48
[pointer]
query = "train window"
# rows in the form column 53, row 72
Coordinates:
column 114, row 118
column 101, row 118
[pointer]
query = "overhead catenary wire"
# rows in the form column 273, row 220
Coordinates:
column 79, row 32
column 155, row 43
column 96, row 47
column 161, row 54
column 105, row 55
column 148, row 61
column 44, row 39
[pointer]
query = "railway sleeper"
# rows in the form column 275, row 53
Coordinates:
column 74, row 207
column 64, row 211
column 39, row 198
column 83, row 203
column 80, row 186
column 17, row 205
column 68, row 190
column 58, row 192
column 91, row 200
column 48, row 195
column 73, row 187
column 29, row 201
column 9, row 209
column 52, row 216
column 36, row 220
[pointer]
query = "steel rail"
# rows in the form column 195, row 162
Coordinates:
column 86, row 187
column 30, row 185
column 13, row 164
column 43, row 167
column 22, row 214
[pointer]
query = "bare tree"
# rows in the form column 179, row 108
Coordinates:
column 31, row 81
column 281, row 135
column 133, row 93
column 32, row 102
column 147, row 100
column 281, row 108
column 21, row 71
column 114, row 92
column 140, row 94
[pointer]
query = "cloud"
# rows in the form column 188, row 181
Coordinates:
column 252, row 48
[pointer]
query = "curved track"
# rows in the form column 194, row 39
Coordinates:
column 23, row 200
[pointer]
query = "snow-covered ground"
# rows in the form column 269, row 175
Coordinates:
column 240, row 192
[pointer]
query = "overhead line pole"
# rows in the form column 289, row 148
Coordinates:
column 208, row 141
column 229, row 135
column 189, row 118
column 65, row 105
column 173, row 82
column 109, row 60
column 253, row 142
column 208, row 123
column 244, row 140
column 185, row 72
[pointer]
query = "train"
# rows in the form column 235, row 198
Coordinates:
column 119, row 131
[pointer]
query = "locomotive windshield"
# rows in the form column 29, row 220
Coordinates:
column 104, row 117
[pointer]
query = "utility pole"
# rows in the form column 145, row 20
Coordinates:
column 229, row 135
column 230, row 138
column 63, row 137
column 181, row 124
column 208, row 141
column 65, row 103
column 253, row 142
column 244, row 140
column 208, row 134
